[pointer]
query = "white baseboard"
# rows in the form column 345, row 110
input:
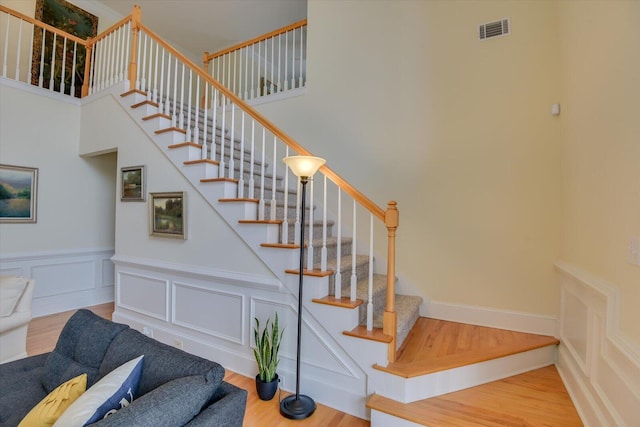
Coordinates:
column 65, row 280
column 493, row 318
column 598, row 364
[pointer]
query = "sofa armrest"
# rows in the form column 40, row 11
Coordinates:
column 17, row 319
column 226, row 408
column 24, row 365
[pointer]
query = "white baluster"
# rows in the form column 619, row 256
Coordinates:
column 103, row 64
column 214, row 120
column 234, row 89
column 189, row 108
column 286, row 61
column 126, row 57
column 285, row 223
column 370, row 303
column 310, row 245
column 241, row 173
column 92, row 79
column 264, row 80
column 354, row 276
column 110, row 60
column 41, row 75
column 205, row 121
column 261, row 206
column 63, row 64
column 196, row 127
column 143, row 58
column 175, row 93
column 338, row 275
column 72, row 91
column 251, row 164
column 138, row 82
column 232, row 164
column 293, row 59
column 323, row 251
column 167, row 103
column 29, row 67
column 118, row 43
column 181, row 113
column 155, row 75
column 253, row 66
column 301, row 78
column 273, row 180
column 17, row 74
column 52, row 70
column 6, row 47
column 229, row 84
column 272, row 61
column 240, row 79
column 258, row 71
column 279, row 84
column 222, row 138
column 161, row 100
column 246, row 73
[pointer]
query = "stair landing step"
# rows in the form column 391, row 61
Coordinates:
column 375, row 334
column 338, row 302
column 537, row 397
column 435, row 345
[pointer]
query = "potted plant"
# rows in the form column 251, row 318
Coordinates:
column 266, row 354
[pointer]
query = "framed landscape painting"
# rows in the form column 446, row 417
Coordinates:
column 133, row 184
column 18, row 194
column 168, row 214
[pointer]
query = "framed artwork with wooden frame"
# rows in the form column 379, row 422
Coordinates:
column 168, row 214
column 73, row 20
column 133, row 186
column 18, row 194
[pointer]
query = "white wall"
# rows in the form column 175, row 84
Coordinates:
column 407, row 104
column 67, row 250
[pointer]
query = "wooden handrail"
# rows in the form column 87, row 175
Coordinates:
column 337, row 179
column 209, row 56
column 111, row 29
column 43, row 25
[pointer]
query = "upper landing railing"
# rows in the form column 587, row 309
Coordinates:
column 273, row 63
column 228, row 130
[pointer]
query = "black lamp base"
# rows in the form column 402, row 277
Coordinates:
column 297, row 409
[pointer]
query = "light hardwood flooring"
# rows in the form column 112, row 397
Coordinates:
column 44, row 331
column 536, row 398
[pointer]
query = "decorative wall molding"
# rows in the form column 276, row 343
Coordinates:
column 65, row 280
column 493, row 318
column 598, row 364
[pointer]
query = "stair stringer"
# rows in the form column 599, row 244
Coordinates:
column 359, row 356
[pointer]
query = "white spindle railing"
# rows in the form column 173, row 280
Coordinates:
column 258, row 67
column 132, row 53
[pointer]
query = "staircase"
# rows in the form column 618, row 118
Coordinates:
column 404, row 381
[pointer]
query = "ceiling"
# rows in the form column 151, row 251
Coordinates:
column 210, row 25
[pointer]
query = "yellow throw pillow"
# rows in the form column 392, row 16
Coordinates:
column 47, row 412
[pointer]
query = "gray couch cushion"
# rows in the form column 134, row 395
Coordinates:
column 21, row 391
column 80, row 349
column 172, row 404
column 162, row 363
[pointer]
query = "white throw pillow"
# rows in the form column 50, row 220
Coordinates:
column 116, row 390
column 11, row 289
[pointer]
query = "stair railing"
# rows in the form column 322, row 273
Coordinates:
column 228, row 130
column 269, row 64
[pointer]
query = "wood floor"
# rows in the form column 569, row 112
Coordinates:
column 536, row 398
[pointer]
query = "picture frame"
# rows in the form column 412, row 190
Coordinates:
column 168, row 214
column 132, row 184
column 74, row 20
column 18, row 194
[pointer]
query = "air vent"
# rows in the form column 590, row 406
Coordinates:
column 494, row 29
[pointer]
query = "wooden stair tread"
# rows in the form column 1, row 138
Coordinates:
column 280, row 245
column 197, row 162
column 239, row 199
column 375, row 334
column 536, row 397
column 153, row 116
column 315, row 273
column 435, row 345
column 132, row 91
column 171, row 129
column 145, row 102
column 184, row 144
column 339, row 302
column 233, row 180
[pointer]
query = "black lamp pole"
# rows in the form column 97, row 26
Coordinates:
column 298, row 406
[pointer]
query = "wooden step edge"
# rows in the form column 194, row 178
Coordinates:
column 145, row 102
column 394, row 408
column 199, row 161
column 173, row 128
column 129, row 92
column 185, row 144
column 233, row 180
column 260, row 221
column 241, row 199
column 153, row 116
column 426, row 367
column 343, row 302
column 375, row 334
column 314, row 273
column 280, row 245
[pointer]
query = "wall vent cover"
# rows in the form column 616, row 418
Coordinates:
column 494, row 29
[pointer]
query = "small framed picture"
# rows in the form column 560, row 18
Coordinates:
column 133, row 184
column 18, row 194
column 168, row 214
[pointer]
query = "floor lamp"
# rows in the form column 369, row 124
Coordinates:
column 298, row 407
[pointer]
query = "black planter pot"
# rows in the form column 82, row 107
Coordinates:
column 266, row 390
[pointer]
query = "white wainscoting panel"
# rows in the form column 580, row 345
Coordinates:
column 65, row 280
column 146, row 294
column 217, row 313
column 599, row 366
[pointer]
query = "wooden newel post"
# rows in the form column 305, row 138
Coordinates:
column 87, row 69
column 390, row 319
column 136, row 19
